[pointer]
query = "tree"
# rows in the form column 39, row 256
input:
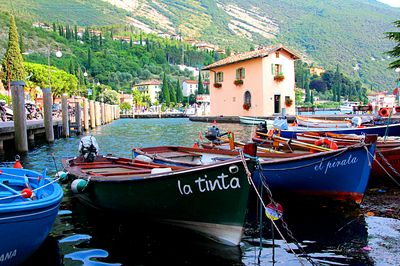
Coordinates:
column 318, row 85
column 125, row 106
column 395, row 52
column 137, row 97
column 109, row 96
column 312, row 97
column 337, row 84
column 13, row 63
column 89, row 58
column 130, row 42
column 76, row 32
column 165, row 91
column 172, row 93
column 179, row 93
column 54, row 27
column 308, row 95
column 200, row 89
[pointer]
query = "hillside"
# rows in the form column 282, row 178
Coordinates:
column 349, row 33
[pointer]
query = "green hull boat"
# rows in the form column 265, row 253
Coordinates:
column 210, row 199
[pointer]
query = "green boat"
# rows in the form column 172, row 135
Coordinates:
column 210, row 199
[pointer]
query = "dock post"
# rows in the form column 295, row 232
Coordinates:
column 102, row 113
column 78, row 118
column 92, row 114
column 31, row 138
column 86, row 114
column 106, row 113
column 283, row 111
column 98, row 113
column 65, row 115
column 19, row 116
column 48, row 114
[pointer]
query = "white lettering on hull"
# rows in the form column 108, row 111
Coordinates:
column 335, row 164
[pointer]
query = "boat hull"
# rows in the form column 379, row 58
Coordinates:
column 211, row 200
column 337, row 175
column 387, row 162
column 24, row 225
column 389, row 130
column 254, row 121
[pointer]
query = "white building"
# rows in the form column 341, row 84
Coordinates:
column 189, row 87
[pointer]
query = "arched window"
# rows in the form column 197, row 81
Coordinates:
column 247, row 100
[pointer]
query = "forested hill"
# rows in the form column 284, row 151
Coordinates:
column 345, row 32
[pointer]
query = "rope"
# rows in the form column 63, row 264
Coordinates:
column 34, row 190
column 248, row 173
column 390, row 166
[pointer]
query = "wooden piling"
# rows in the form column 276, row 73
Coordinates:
column 92, row 114
column 48, row 114
column 65, row 115
column 86, row 114
column 19, row 116
column 103, row 119
column 78, row 118
column 98, row 113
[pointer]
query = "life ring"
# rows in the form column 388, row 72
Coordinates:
column 397, row 109
column 384, row 112
column 325, row 142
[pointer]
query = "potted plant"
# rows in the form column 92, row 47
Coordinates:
column 246, row 106
column 288, row 102
column 217, row 85
column 238, row 82
column 279, row 77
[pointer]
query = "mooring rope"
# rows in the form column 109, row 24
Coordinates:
column 384, row 169
column 248, row 173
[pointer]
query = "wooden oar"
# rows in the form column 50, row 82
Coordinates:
column 297, row 143
column 241, row 144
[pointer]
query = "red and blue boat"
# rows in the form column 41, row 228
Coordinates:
column 380, row 130
column 29, row 203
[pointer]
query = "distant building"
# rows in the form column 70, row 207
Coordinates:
column 206, row 47
column 191, row 86
column 125, row 39
column 382, row 99
column 42, row 25
column 126, row 98
column 95, row 33
column 149, row 87
column 255, row 83
column 317, row 71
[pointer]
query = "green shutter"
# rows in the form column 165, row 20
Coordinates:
column 243, row 73
column 237, row 73
column 272, row 69
column 222, row 76
column 215, row 77
column 281, row 69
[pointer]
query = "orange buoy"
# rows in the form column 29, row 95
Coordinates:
column 325, row 142
column 195, row 145
column 384, row 112
column 17, row 164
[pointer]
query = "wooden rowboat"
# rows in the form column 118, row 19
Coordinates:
column 209, row 199
column 320, row 123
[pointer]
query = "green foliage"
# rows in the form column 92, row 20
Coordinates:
column 395, row 52
column 108, row 96
column 61, row 81
column 13, row 64
column 165, row 95
column 200, row 89
column 179, row 92
column 125, row 106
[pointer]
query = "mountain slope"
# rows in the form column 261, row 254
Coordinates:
column 349, row 33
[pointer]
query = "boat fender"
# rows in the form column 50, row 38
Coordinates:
column 160, row 170
column 274, row 211
column 326, row 143
column 397, row 109
column 63, row 176
column 384, row 112
column 78, row 185
column 26, row 193
column 144, row 158
column 233, row 169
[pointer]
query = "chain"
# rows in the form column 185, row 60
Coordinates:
column 390, row 166
column 285, row 226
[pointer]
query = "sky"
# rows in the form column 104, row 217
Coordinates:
column 394, row 3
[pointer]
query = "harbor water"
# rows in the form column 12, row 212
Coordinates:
column 82, row 236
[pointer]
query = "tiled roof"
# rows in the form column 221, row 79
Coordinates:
column 189, row 81
column 250, row 55
column 149, row 82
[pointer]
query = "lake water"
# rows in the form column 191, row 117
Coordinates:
column 333, row 236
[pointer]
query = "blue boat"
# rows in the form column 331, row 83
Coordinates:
column 29, row 203
column 340, row 175
column 381, row 130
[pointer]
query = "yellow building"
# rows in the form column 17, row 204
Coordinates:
column 149, row 87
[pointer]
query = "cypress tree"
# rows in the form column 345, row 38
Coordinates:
column 130, row 42
column 101, row 40
column 76, row 32
column 395, row 52
column 165, row 91
column 200, row 89
column 179, row 93
column 312, row 97
column 141, row 39
column 308, row 96
column 172, row 93
column 13, row 63
column 337, row 84
column 89, row 58
column 54, row 27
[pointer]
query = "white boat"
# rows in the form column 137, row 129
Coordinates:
column 347, row 107
column 255, row 121
column 321, row 123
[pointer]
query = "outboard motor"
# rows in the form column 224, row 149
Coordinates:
column 88, row 148
column 213, row 134
column 262, row 127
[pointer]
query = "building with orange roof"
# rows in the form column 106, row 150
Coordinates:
column 149, row 87
column 255, row 83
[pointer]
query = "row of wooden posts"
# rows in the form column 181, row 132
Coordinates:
column 94, row 114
